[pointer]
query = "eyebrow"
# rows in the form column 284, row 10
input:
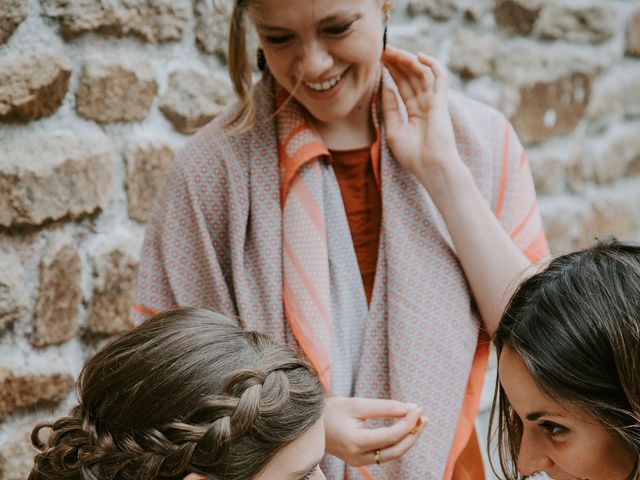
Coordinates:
column 533, row 416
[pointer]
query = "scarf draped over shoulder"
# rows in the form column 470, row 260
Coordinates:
column 253, row 226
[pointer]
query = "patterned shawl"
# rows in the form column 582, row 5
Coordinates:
column 215, row 237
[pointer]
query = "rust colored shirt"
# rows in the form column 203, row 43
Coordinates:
column 363, row 206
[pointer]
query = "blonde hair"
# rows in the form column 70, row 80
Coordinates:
column 240, row 71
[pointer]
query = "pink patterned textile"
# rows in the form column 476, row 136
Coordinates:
column 215, row 238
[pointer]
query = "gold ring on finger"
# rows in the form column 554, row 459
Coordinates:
column 376, row 457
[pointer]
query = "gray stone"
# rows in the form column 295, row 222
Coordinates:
column 16, row 455
column 52, row 177
column 114, row 275
column 152, row 20
column 617, row 93
column 472, row 55
column 617, row 210
column 586, row 24
column 13, row 298
column 213, row 18
column 619, row 156
column 436, row 9
column 633, row 36
column 146, row 166
column 57, row 309
column 193, row 99
column 569, row 222
column 12, row 14
column 33, row 86
column 115, row 91
column 517, row 16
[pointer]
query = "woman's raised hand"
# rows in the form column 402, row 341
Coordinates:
column 349, row 439
column 425, row 140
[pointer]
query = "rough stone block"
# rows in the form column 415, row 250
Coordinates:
column 152, row 20
column 56, row 312
column 617, row 93
column 585, row 24
column 436, row 9
column 619, row 154
column 114, row 275
column 16, row 455
column 33, row 86
column 146, row 166
column 549, row 108
column 54, row 177
column 212, row 25
column 12, row 14
column 193, row 99
column 617, row 210
column 569, row 222
column 517, row 16
column 472, row 55
column 116, row 92
column 13, row 298
column 633, row 35
column 26, row 391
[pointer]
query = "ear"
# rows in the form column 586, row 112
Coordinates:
column 193, row 476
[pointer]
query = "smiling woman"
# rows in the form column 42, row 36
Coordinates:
column 568, row 398
column 352, row 205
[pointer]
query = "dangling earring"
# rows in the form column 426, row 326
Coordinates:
column 261, row 61
column 384, row 38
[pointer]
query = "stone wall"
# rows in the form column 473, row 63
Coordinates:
column 97, row 96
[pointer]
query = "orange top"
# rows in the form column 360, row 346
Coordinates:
column 363, row 206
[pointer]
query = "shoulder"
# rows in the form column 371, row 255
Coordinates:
column 217, row 147
column 469, row 113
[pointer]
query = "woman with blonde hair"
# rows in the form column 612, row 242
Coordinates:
column 188, row 395
column 362, row 212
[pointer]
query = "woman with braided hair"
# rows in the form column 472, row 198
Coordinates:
column 350, row 204
column 188, row 395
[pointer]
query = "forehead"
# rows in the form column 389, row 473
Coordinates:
column 301, row 454
column 292, row 12
column 519, row 385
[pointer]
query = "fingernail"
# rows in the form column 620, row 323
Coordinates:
column 417, row 426
column 411, row 406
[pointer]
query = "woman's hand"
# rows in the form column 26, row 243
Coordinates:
column 349, row 439
column 424, row 142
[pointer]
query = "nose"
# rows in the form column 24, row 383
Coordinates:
column 316, row 60
column 532, row 457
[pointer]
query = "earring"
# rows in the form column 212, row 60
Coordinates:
column 384, row 38
column 261, row 61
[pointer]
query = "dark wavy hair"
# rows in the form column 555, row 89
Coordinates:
column 185, row 392
column 576, row 327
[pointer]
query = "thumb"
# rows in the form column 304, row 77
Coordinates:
column 390, row 109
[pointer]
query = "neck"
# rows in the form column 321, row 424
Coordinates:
column 349, row 133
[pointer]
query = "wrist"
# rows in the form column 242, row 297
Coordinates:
column 450, row 177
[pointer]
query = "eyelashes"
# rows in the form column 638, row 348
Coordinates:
column 335, row 31
column 308, row 475
column 552, row 429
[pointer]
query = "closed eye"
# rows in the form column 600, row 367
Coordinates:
column 278, row 39
column 339, row 29
column 552, row 429
column 308, row 475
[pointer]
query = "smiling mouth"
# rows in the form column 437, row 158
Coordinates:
column 326, row 85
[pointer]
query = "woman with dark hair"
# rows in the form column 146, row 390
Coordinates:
column 188, row 395
column 568, row 397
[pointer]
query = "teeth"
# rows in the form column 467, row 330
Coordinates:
column 322, row 86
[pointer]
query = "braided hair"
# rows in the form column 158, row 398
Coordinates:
column 185, row 392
